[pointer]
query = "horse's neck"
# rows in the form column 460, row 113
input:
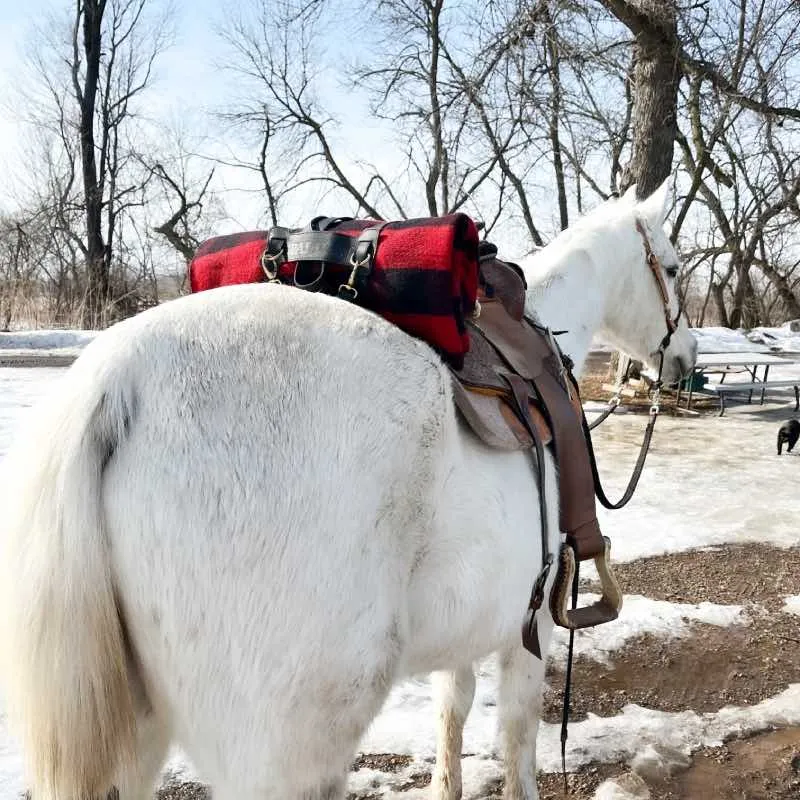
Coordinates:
column 572, row 287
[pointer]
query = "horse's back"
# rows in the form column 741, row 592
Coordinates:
column 266, row 508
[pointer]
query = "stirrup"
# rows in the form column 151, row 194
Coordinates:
column 605, row 609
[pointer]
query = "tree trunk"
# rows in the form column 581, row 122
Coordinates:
column 790, row 302
column 552, row 60
column 719, row 300
column 656, row 75
column 742, row 297
column 97, row 271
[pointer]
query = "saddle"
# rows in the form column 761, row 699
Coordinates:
column 511, row 383
column 516, row 391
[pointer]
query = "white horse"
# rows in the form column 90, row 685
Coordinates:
column 245, row 514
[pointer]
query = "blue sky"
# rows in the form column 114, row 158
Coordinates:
column 189, row 84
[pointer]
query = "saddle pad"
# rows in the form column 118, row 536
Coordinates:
column 424, row 276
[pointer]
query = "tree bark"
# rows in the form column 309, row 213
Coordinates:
column 782, row 287
column 552, row 62
column 656, row 75
column 719, row 300
column 97, row 272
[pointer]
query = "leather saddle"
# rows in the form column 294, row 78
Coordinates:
column 513, row 361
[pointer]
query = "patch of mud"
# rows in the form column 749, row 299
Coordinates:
column 385, row 762
column 33, row 359
column 710, row 668
column 581, row 785
column 762, row 767
column 733, row 574
column 189, row 790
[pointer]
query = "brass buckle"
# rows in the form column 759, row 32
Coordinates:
column 275, row 260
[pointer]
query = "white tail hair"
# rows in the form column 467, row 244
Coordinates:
column 63, row 643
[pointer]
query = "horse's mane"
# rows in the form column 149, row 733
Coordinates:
column 588, row 226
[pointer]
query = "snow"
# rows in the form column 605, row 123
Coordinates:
column 45, row 342
column 19, row 389
column 757, row 340
column 708, row 481
column 628, row 787
column 45, row 339
column 642, row 615
column 791, row 605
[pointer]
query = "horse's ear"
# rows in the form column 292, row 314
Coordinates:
column 654, row 208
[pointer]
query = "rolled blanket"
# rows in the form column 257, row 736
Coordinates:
column 424, row 275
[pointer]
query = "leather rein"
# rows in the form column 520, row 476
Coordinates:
column 655, row 399
column 672, row 326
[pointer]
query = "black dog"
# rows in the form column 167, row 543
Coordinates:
column 788, row 432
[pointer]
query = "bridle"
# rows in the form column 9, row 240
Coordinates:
column 657, row 272
column 655, row 268
column 655, row 397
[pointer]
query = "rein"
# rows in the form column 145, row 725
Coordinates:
column 643, row 451
column 672, row 326
column 613, row 403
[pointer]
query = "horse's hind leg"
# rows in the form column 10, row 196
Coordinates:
column 521, row 682
column 454, row 692
column 137, row 781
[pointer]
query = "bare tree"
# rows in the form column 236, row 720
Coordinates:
column 656, row 75
column 270, row 44
column 741, row 159
column 87, row 81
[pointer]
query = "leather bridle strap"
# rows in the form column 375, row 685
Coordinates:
column 672, row 324
column 655, row 268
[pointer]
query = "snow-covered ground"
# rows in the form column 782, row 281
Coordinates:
column 724, row 340
column 708, row 481
column 44, row 342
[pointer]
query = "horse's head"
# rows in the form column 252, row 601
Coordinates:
column 648, row 321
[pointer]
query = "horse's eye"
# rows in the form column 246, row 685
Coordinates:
column 672, row 272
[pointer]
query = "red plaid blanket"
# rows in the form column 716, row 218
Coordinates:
column 424, row 277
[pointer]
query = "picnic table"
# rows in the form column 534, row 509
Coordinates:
column 745, row 361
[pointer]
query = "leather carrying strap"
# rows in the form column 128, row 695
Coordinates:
column 319, row 245
column 362, row 259
column 335, row 248
column 317, row 242
column 275, row 252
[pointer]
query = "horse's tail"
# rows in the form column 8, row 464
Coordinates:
column 63, row 644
